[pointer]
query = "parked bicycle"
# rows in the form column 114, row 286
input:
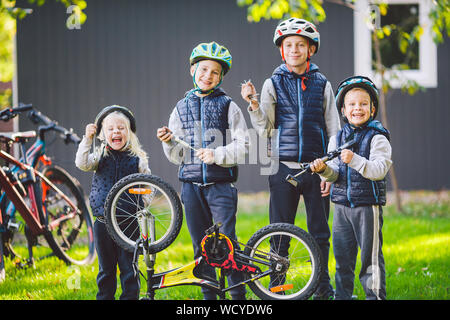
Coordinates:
column 50, row 201
column 144, row 216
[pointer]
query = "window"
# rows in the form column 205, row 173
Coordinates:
column 419, row 64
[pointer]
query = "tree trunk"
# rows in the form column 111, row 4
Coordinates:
column 384, row 119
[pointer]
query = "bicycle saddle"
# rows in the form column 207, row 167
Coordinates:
column 18, row 136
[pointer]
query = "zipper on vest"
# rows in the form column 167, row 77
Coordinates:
column 375, row 191
column 202, row 119
column 300, row 119
column 349, row 181
column 323, row 142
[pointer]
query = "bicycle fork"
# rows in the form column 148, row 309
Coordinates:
column 147, row 225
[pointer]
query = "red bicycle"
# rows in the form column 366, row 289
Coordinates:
column 50, row 201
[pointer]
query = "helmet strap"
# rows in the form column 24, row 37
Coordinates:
column 197, row 88
column 308, row 64
column 284, row 59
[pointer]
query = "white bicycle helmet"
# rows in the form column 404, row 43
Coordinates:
column 296, row 26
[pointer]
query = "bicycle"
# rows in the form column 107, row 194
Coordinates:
column 280, row 261
column 50, row 201
column 144, row 216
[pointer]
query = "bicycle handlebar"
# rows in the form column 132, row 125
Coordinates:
column 10, row 113
column 37, row 117
column 329, row 156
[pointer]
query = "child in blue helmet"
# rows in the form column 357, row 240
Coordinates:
column 208, row 168
column 359, row 189
column 119, row 155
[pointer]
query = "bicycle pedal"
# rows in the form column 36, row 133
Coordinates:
column 14, row 226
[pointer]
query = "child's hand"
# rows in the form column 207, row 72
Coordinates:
column 325, row 188
column 248, row 93
column 164, row 134
column 346, row 156
column 91, row 129
column 206, row 155
column 317, row 166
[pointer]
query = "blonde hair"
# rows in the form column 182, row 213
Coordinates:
column 372, row 104
column 132, row 145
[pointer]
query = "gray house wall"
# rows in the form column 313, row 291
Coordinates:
column 135, row 53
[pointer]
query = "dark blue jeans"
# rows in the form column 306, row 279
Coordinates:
column 284, row 199
column 203, row 207
column 109, row 256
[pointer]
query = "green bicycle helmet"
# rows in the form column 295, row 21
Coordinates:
column 212, row 51
column 356, row 82
column 109, row 109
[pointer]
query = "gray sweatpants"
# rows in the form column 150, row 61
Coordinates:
column 353, row 228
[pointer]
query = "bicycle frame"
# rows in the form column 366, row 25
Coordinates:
column 189, row 274
column 31, row 214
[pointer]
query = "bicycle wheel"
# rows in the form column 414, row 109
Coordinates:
column 291, row 260
column 72, row 240
column 139, row 195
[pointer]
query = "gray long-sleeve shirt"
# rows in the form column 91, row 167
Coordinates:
column 263, row 118
column 375, row 168
column 226, row 156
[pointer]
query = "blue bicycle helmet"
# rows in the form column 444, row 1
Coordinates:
column 356, row 82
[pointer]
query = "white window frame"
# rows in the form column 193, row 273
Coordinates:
column 425, row 76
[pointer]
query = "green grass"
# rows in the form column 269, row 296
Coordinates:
column 416, row 249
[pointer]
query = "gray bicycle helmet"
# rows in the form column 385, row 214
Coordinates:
column 296, row 26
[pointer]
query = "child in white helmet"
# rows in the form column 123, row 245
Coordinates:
column 208, row 168
column 297, row 110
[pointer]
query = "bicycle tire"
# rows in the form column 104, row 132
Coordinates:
column 69, row 239
column 303, row 254
column 122, row 207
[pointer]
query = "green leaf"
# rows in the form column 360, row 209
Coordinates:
column 403, row 45
column 383, row 8
column 379, row 33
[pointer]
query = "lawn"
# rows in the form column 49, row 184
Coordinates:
column 416, row 249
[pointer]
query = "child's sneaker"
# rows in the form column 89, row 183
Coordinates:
column 328, row 295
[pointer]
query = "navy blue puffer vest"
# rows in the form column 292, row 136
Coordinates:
column 352, row 189
column 205, row 121
column 299, row 115
column 111, row 168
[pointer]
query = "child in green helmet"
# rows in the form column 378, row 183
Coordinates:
column 208, row 167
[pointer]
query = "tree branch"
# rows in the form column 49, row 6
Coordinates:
column 345, row 3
